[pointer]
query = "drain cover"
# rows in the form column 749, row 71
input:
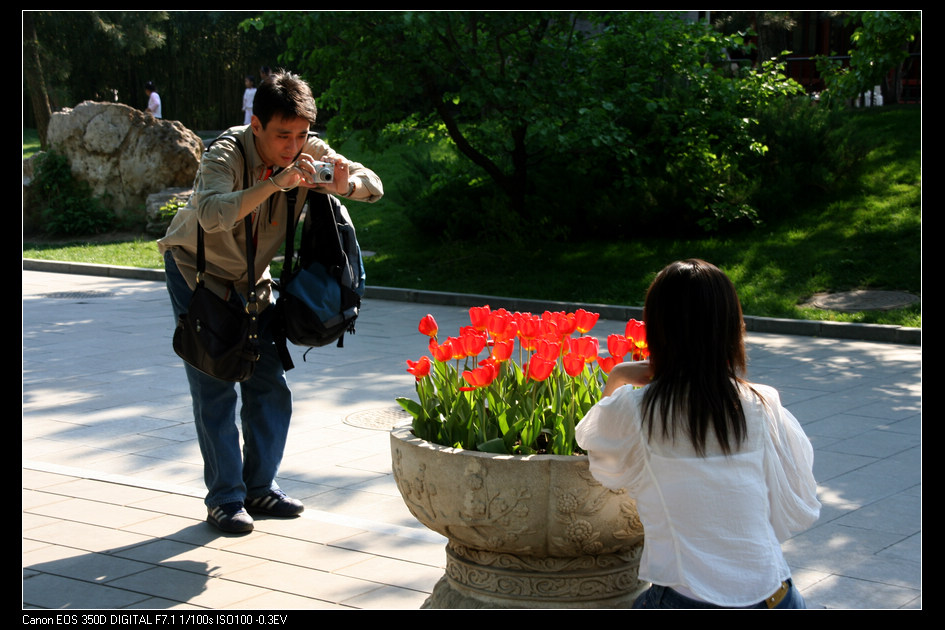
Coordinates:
column 852, row 301
column 77, row 295
column 378, row 419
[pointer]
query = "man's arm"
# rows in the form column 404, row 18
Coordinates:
column 221, row 202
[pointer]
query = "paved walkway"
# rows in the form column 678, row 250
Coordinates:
column 113, row 517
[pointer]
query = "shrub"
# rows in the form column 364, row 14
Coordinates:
column 807, row 155
column 67, row 205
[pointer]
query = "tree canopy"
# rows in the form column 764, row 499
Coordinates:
column 549, row 105
column 563, row 120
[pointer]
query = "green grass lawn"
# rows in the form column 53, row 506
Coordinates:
column 869, row 238
column 30, row 142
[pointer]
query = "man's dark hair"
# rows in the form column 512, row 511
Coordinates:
column 284, row 95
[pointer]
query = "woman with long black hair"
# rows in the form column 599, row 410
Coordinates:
column 720, row 471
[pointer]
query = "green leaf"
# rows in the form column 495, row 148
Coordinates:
column 411, row 406
column 495, row 445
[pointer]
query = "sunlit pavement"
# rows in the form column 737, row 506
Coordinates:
column 112, row 483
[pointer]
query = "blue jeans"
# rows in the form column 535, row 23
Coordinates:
column 232, row 475
column 664, row 597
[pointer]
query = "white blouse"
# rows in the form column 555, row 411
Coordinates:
column 713, row 524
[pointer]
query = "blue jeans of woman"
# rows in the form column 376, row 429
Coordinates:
column 664, row 597
column 232, row 474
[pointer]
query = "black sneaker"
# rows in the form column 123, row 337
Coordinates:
column 276, row 503
column 230, row 518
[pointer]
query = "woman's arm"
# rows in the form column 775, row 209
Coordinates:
column 637, row 373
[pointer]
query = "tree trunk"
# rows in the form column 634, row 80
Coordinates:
column 35, row 82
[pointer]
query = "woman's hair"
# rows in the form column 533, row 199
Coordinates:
column 695, row 335
column 285, row 95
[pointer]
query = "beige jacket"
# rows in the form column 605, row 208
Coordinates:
column 218, row 190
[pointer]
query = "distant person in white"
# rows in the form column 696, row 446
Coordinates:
column 248, row 95
column 154, row 100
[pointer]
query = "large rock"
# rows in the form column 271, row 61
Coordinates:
column 158, row 220
column 124, row 154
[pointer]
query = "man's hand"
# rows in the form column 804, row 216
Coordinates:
column 339, row 183
column 302, row 173
column 299, row 174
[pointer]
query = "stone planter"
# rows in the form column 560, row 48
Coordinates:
column 523, row 531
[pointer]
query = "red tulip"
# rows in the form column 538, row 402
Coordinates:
column 607, row 363
column 637, row 331
column 548, row 349
column 555, row 324
column 473, row 342
column 419, row 368
column 586, row 347
column 428, row 326
column 618, row 346
column 491, row 368
column 492, row 363
column 584, row 320
column 502, row 350
column 538, row 368
column 567, row 324
column 441, row 352
column 480, row 376
column 529, row 326
column 479, row 317
column 528, row 343
column 502, row 325
column 573, row 364
column 456, row 345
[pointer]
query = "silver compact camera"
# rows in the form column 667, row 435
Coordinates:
column 323, row 172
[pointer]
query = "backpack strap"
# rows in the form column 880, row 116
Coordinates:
column 290, row 227
column 279, row 332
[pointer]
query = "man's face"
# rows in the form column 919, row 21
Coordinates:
column 281, row 140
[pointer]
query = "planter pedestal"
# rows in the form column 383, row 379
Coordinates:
column 531, row 531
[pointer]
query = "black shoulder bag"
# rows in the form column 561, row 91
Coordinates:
column 216, row 336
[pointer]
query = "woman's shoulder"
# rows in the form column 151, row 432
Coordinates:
column 760, row 392
column 627, row 394
column 623, row 402
column 610, row 423
column 619, row 409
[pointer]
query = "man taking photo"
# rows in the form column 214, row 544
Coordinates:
column 279, row 155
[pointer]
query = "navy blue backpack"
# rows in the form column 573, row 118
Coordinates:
column 321, row 286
